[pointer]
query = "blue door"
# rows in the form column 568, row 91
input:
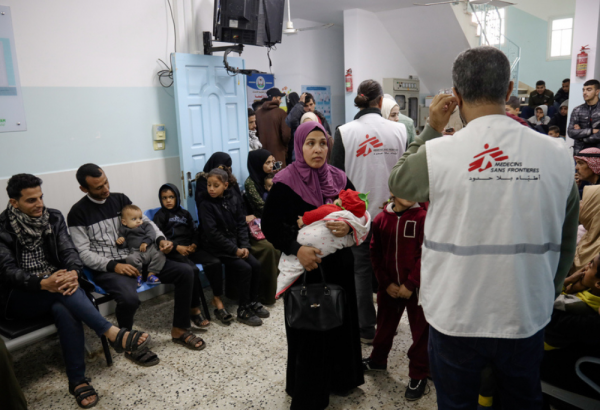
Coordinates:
column 211, row 116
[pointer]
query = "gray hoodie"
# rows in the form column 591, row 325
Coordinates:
column 545, row 119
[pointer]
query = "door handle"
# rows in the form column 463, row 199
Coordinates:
column 183, row 185
column 190, row 187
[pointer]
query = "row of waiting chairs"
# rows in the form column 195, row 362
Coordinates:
column 21, row 333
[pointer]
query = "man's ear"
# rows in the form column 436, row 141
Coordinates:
column 458, row 96
column 380, row 103
column 84, row 190
column 14, row 203
column 597, row 284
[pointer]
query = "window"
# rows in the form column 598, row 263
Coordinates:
column 560, row 35
column 493, row 23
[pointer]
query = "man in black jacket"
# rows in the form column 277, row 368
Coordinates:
column 585, row 119
column 40, row 272
column 562, row 95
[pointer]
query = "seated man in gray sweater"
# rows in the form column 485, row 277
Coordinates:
column 94, row 223
column 139, row 237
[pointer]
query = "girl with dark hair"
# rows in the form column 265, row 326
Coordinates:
column 262, row 249
column 367, row 149
column 225, row 235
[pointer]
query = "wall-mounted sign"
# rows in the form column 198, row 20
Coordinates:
column 12, row 111
column 258, row 85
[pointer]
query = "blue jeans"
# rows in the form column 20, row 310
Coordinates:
column 456, row 364
column 68, row 313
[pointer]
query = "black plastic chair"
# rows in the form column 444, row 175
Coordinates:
column 39, row 328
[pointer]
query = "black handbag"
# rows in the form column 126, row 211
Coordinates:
column 316, row 306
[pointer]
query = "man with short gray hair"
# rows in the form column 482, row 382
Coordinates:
column 499, row 236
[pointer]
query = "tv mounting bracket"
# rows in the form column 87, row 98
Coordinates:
column 237, row 48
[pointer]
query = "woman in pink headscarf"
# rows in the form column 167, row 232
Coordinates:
column 319, row 363
column 587, row 168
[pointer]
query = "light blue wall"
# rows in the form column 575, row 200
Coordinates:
column 69, row 126
column 531, row 34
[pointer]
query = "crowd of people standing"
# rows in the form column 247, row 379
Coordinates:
column 474, row 232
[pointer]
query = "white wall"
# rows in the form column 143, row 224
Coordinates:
column 73, row 43
column 61, row 189
column 430, row 38
column 371, row 53
column 88, row 76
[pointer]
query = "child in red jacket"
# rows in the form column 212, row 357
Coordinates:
column 396, row 258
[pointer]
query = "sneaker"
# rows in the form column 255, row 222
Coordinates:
column 248, row 317
column 368, row 364
column 139, row 281
column 416, row 389
column 259, row 310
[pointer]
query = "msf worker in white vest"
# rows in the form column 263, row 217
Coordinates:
column 367, row 149
column 499, row 236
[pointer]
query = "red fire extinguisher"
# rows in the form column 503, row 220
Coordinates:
column 349, row 86
column 582, row 62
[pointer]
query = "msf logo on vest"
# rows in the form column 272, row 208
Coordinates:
column 368, row 146
column 487, row 159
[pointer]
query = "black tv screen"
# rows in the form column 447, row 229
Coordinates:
column 251, row 22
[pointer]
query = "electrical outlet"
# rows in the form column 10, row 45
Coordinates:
column 159, row 132
column 159, row 145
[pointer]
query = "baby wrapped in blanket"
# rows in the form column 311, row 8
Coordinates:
column 351, row 208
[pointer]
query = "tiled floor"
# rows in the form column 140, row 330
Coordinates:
column 241, row 368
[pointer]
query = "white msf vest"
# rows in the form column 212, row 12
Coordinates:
column 498, row 193
column 373, row 146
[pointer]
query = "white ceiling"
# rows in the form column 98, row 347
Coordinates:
column 331, row 11
column 545, row 9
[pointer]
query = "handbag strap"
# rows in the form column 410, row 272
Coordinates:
column 322, row 280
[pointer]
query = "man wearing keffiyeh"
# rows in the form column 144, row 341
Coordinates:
column 587, row 168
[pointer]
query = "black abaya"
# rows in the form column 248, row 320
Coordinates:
column 318, row 362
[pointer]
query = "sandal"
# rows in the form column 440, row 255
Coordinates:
column 83, row 393
column 198, row 319
column 223, row 315
column 131, row 345
column 153, row 280
column 143, row 357
column 189, row 340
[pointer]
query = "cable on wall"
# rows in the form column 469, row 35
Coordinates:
column 168, row 71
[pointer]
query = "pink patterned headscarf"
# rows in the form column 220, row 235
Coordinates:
column 593, row 162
